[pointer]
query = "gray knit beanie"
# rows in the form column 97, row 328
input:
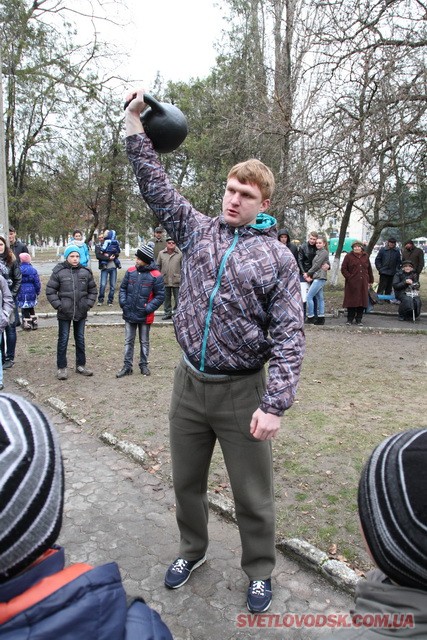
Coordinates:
column 145, row 253
column 393, row 507
column 31, row 484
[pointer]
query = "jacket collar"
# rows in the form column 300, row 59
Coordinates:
column 49, row 564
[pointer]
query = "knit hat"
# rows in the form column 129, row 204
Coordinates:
column 70, row 249
column 393, row 240
column 31, row 484
column 25, row 257
column 357, row 242
column 407, row 262
column 393, row 507
column 145, row 253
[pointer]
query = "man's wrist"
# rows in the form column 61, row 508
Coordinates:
column 133, row 123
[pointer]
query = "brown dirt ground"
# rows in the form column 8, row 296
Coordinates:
column 356, row 388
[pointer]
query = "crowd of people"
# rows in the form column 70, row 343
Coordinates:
column 238, row 375
column 155, row 280
column 399, row 273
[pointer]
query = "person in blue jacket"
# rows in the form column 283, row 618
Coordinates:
column 39, row 596
column 141, row 294
column 77, row 241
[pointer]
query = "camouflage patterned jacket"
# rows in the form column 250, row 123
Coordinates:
column 239, row 300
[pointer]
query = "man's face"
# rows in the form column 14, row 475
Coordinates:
column 242, row 203
column 73, row 258
column 391, row 245
column 408, row 245
column 12, row 237
column 312, row 240
column 101, row 238
column 170, row 246
column 158, row 234
column 139, row 262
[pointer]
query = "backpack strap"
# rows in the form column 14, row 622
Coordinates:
column 41, row 590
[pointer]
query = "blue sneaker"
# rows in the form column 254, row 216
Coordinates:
column 259, row 596
column 180, row 570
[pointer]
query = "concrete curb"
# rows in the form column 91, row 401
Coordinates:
column 335, row 571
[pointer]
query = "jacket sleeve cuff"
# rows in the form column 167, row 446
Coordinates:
column 267, row 409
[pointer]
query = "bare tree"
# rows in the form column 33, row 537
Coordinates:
column 50, row 78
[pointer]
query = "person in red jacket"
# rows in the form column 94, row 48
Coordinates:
column 39, row 596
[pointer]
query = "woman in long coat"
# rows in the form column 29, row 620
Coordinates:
column 357, row 271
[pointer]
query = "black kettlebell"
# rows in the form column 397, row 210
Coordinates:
column 164, row 124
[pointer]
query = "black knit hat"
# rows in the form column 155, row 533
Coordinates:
column 31, row 485
column 393, row 507
column 145, row 253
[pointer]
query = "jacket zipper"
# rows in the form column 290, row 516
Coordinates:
column 74, row 293
column 212, row 296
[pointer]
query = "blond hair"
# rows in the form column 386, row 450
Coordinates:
column 255, row 172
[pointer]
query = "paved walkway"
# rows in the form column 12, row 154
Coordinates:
column 115, row 510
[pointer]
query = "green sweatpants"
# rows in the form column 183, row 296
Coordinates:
column 204, row 409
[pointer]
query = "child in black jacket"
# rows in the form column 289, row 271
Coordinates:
column 71, row 290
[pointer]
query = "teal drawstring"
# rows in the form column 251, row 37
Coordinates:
column 212, row 296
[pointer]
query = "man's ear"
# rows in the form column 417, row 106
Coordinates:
column 265, row 204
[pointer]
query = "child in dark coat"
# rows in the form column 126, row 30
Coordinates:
column 71, row 290
column 392, row 601
column 39, row 596
column 110, row 247
column 141, row 293
column 29, row 290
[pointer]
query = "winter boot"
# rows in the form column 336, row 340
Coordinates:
column 320, row 320
column 34, row 322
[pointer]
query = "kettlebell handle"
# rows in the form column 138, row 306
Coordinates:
column 152, row 102
column 163, row 123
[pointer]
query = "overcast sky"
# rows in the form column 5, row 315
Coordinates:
column 175, row 38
